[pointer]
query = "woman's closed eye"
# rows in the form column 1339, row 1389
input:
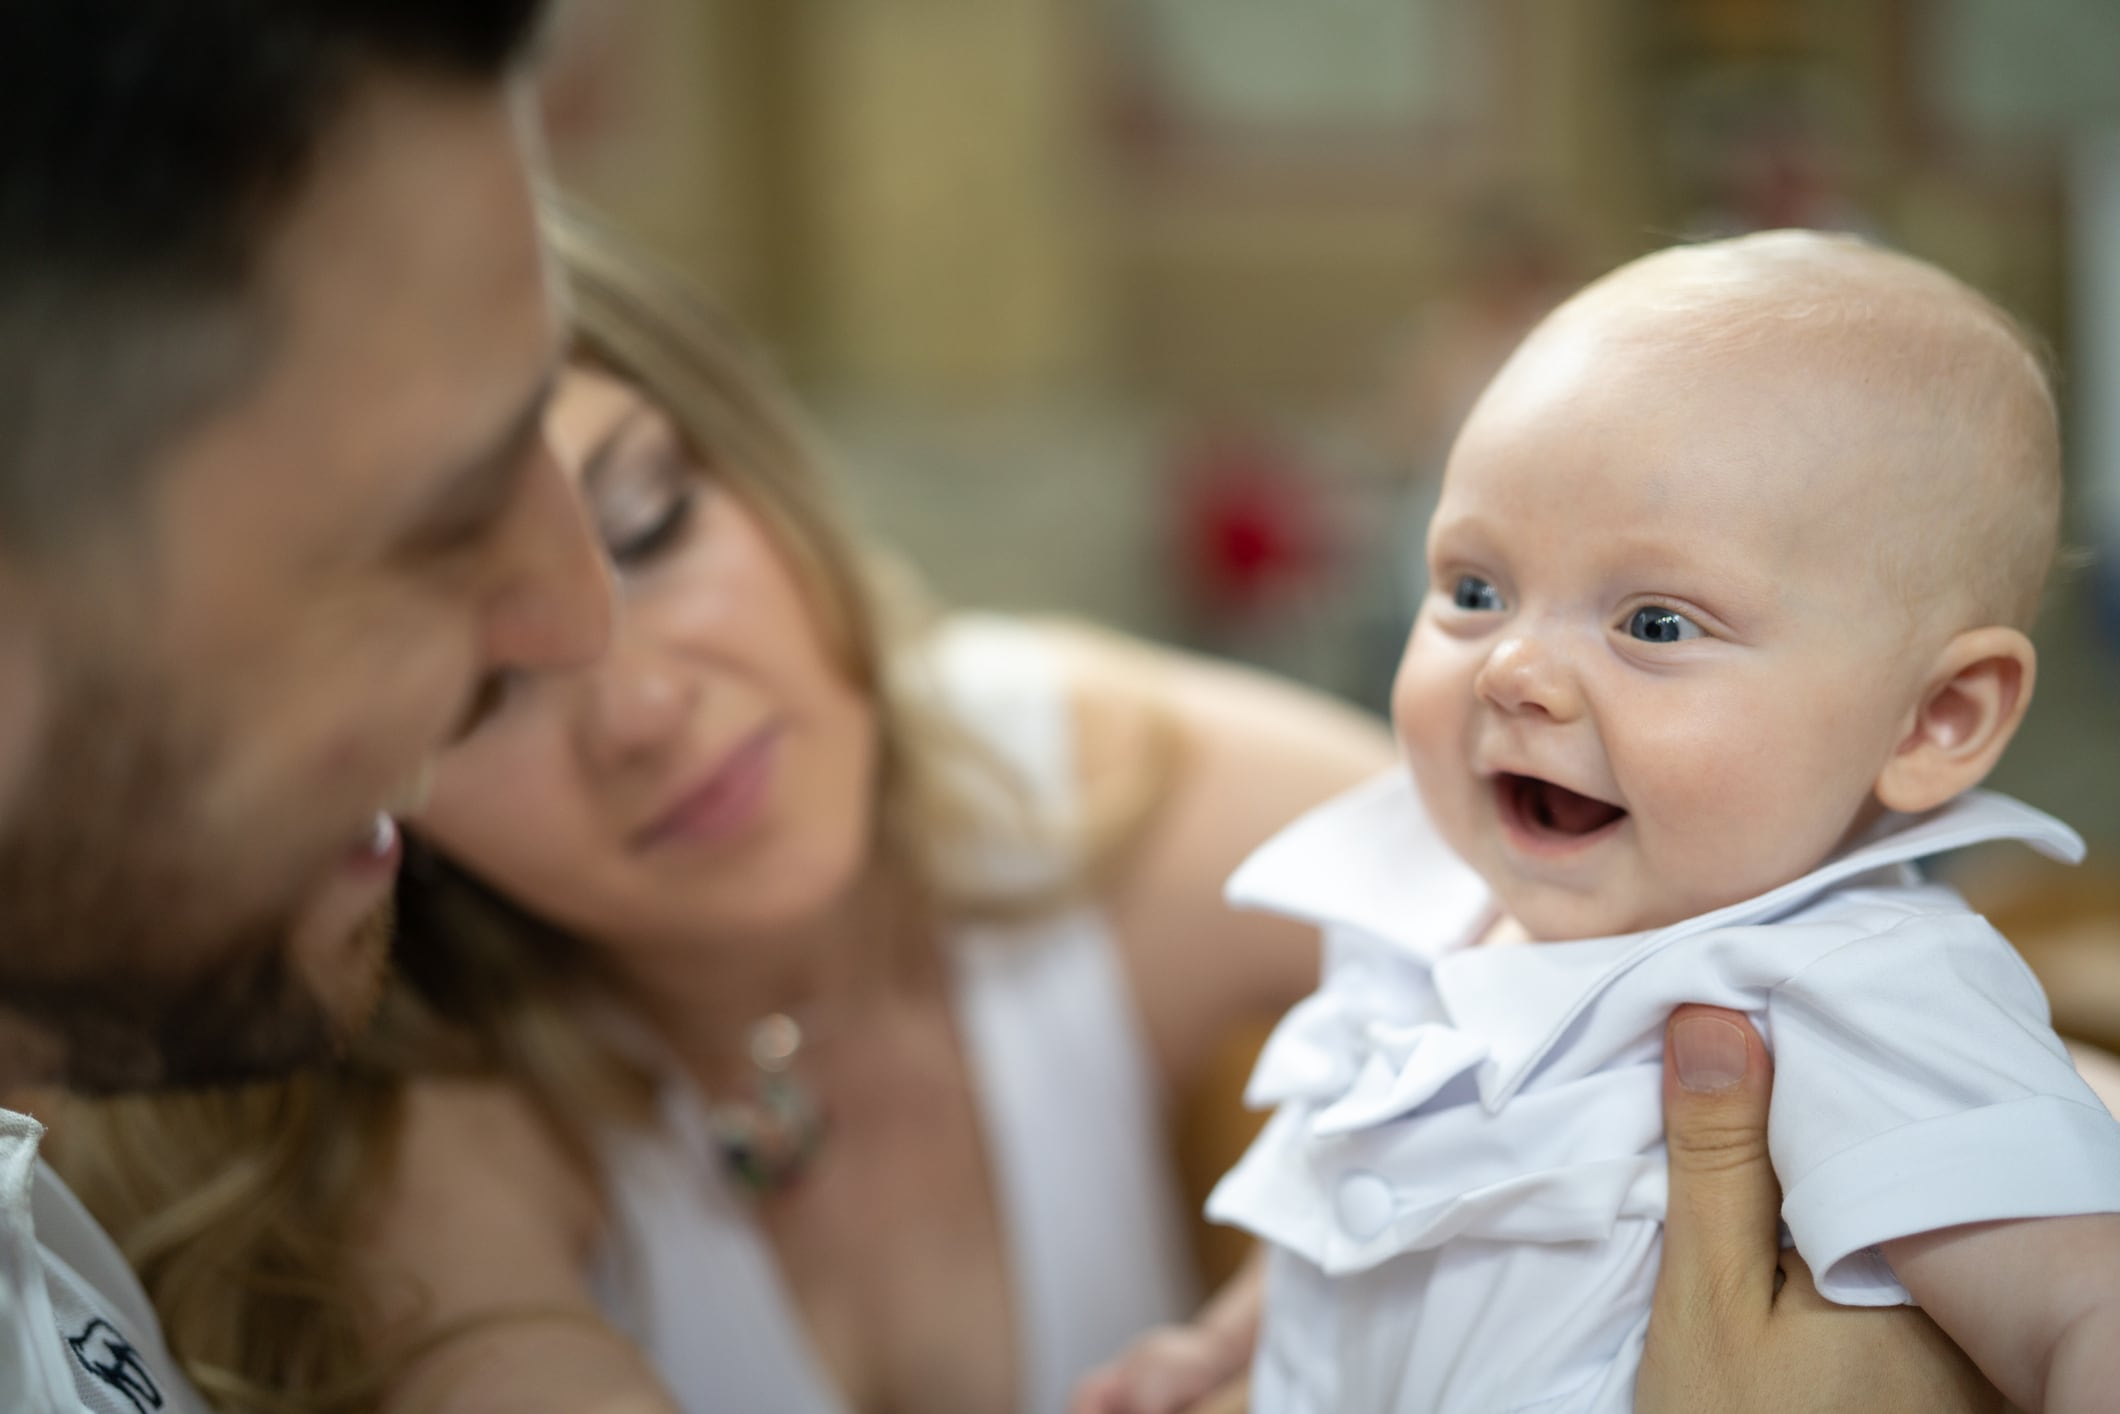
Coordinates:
column 644, row 507
column 1475, row 595
column 1655, row 623
column 651, row 531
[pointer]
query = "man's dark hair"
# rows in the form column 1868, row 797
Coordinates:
column 148, row 151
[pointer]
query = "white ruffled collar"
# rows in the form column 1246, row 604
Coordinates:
column 1372, row 861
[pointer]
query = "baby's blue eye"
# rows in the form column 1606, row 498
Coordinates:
column 1655, row 624
column 1472, row 592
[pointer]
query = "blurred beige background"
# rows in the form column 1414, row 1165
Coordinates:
column 1163, row 311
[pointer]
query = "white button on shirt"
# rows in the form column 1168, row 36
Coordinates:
column 1365, row 1205
column 1464, row 1180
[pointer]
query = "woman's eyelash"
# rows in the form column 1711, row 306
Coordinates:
column 659, row 534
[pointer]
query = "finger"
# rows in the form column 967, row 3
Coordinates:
column 1720, row 1232
column 1097, row 1393
column 1232, row 1398
column 1169, row 1388
column 1799, row 1289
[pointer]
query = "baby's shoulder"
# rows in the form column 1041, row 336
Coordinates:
column 1880, row 935
column 1890, row 915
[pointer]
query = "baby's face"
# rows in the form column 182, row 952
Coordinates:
column 1657, row 670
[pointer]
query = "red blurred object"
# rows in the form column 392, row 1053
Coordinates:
column 1249, row 524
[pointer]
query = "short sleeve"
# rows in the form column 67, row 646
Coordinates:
column 1917, row 1086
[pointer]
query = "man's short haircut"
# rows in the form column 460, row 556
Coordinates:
column 149, row 149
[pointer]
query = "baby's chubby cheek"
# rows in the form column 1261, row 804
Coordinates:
column 1724, row 815
column 1432, row 715
column 1429, row 704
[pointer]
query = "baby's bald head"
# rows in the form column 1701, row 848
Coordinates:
column 1927, row 405
column 1731, row 561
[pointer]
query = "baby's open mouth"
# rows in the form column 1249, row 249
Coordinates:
column 1546, row 811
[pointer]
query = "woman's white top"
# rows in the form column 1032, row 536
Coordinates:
column 1465, row 1181
column 1068, row 1101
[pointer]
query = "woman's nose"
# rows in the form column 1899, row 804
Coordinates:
column 638, row 702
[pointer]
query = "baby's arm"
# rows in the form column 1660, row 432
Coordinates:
column 1194, row 1367
column 2035, row 1302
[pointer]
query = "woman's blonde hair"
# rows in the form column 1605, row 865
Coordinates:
column 242, row 1211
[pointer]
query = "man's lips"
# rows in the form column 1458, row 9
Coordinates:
column 722, row 802
column 1550, row 815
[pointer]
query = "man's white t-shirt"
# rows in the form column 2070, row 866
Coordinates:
column 1464, row 1182
column 77, row 1334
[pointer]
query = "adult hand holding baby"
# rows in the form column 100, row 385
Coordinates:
column 1726, row 1333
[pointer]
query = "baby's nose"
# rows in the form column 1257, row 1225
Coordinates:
column 1525, row 673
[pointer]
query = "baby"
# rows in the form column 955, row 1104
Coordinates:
column 1730, row 582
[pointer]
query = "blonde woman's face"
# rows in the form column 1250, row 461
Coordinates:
column 712, row 778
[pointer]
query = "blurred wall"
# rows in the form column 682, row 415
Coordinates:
column 1091, row 292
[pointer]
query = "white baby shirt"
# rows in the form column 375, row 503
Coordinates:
column 1464, row 1182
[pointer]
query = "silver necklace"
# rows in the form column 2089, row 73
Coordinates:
column 768, row 1137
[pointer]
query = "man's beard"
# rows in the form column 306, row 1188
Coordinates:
column 117, row 966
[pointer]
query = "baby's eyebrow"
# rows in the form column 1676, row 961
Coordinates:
column 1474, row 529
column 1715, row 580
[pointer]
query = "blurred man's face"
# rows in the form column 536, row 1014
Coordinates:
column 242, row 685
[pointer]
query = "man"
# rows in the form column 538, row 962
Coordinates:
column 276, row 515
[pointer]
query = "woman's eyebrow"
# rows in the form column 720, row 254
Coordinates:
column 605, row 453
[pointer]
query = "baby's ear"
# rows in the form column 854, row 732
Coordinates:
column 1969, row 709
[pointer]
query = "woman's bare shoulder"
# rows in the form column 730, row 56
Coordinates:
column 481, row 1242
column 1238, row 754
column 476, row 1173
column 1130, row 697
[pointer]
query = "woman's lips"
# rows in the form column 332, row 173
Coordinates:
column 1552, row 819
column 723, row 804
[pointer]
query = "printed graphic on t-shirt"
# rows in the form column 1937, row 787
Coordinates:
column 110, row 1357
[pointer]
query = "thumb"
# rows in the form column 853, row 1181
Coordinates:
column 1100, row 1392
column 1721, row 1233
column 1232, row 1398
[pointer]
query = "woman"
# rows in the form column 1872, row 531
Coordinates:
column 929, row 908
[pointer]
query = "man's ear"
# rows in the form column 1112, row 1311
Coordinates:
column 1969, row 709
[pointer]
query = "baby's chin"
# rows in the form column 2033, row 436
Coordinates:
column 1575, row 920
column 1546, row 911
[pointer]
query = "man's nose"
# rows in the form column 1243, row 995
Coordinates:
column 553, row 608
